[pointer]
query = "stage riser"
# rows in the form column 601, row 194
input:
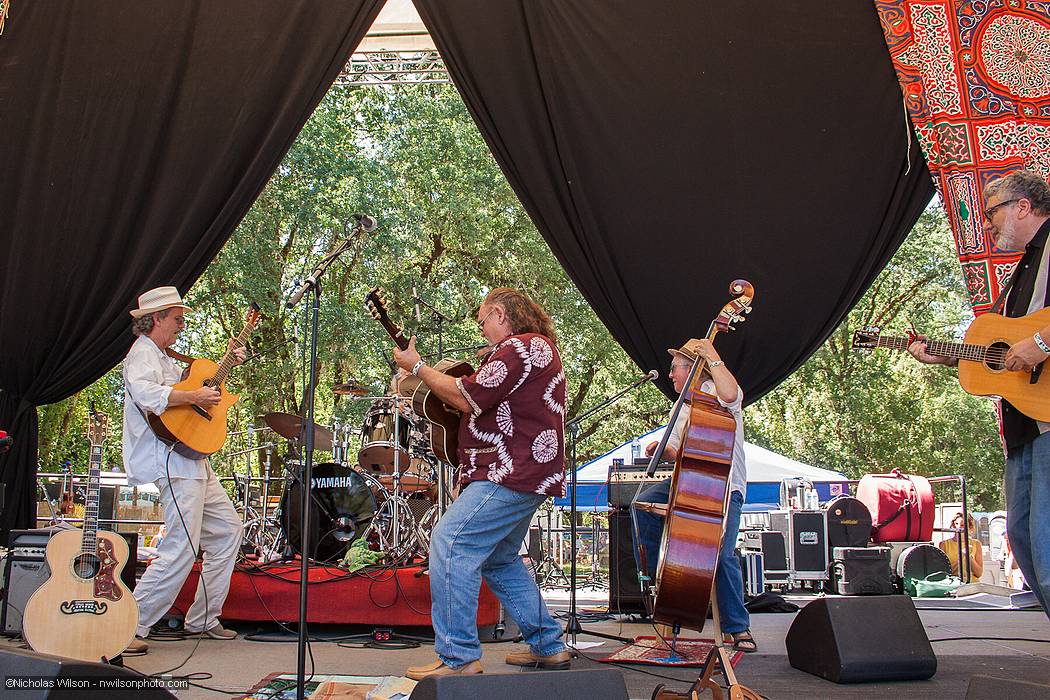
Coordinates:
column 376, row 599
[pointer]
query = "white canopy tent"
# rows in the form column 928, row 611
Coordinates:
column 765, row 471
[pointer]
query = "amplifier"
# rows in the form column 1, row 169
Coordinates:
column 624, row 480
column 807, row 536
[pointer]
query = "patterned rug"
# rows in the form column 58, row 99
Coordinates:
column 281, row 686
column 657, row 652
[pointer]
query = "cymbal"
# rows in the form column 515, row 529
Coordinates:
column 287, row 426
column 351, row 388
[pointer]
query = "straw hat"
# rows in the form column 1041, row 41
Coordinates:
column 690, row 351
column 158, row 299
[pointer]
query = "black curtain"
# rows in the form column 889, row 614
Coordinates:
column 664, row 149
column 134, row 135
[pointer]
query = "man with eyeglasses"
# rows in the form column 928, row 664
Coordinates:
column 729, row 588
column 511, row 457
column 198, row 514
column 1017, row 217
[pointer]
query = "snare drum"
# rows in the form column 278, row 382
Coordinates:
column 378, row 442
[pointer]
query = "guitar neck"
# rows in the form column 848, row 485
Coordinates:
column 88, row 541
column 395, row 333
column 938, row 348
column 229, row 359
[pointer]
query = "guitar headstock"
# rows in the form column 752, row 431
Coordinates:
column 866, row 338
column 375, row 302
column 736, row 310
column 253, row 317
column 97, row 427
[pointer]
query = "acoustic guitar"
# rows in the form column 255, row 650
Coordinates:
column 84, row 611
column 981, row 356
column 197, row 432
column 442, row 419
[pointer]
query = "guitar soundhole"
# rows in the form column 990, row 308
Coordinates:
column 86, row 566
column 996, row 358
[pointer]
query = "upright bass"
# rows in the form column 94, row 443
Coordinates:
column 693, row 525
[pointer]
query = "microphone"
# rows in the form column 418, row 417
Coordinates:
column 651, row 376
column 366, row 222
column 415, row 298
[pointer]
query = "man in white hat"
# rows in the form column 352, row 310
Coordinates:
column 729, row 588
column 198, row 514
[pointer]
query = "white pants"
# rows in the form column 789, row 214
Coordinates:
column 215, row 528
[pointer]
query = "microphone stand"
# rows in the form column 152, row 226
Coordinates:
column 313, row 285
column 572, row 624
column 439, row 319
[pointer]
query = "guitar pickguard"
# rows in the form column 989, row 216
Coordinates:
column 106, row 585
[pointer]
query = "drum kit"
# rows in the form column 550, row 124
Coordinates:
column 390, row 492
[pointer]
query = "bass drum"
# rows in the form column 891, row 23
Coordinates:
column 341, row 509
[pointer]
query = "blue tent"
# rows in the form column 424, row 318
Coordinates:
column 765, row 471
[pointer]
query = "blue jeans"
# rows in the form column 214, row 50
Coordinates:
column 480, row 535
column 729, row 583
column 1028, row 495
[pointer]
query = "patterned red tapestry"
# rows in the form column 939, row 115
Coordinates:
column 976, row 81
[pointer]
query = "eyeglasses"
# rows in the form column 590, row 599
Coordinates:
column 481, row 323
column 680, row 364
column 990, row 211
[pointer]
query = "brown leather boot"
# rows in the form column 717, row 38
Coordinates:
column 438, row 668
column 558, row 661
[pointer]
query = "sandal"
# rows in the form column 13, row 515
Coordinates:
column 742, row 641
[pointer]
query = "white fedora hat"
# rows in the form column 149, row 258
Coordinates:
column 157, row 300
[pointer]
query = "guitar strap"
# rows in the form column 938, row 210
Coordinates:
column 1001, row 299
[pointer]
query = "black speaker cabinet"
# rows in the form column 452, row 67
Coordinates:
column 625, row 593
column 58, row 678
column 859, row 640
column 607, row 684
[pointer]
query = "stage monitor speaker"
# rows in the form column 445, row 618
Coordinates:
column 625, row 593
column 58, row 678
column 988, row 688
column 607, row 684
column 859, row 640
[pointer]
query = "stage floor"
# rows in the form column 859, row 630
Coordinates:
column 238, row 665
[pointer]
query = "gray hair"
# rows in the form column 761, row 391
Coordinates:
column 144, row 324
column 1022, row 184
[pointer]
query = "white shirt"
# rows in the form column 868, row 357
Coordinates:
column 738, row 468
column 149, row 375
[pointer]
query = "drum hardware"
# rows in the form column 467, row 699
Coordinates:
column 289, row 426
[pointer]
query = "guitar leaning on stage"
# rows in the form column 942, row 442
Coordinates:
column 981, row 356
column 197, row 432
column 84, row 611
column 443, row 419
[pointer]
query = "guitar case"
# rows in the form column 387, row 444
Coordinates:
column 901, row 506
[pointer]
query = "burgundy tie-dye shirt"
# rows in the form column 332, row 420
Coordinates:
column 515, row 433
